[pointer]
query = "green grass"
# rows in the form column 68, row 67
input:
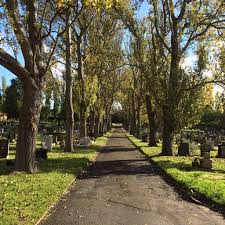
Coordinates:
column 24, row 198
column 209, row 183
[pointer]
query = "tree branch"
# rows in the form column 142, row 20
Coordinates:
column 13, row 65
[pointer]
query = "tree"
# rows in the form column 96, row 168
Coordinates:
column 177, row 27
column 13, row 99
column 31, row 28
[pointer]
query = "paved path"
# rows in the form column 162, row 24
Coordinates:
column 122, row 188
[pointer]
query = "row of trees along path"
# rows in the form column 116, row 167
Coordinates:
column 87, row 37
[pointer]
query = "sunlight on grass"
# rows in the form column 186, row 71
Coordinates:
column 25, row 197
column 209, row 183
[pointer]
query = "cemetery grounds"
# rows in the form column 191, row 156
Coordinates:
column 24, row 198
column 210, row 184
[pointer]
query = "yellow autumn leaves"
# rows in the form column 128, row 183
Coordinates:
column 90, row 3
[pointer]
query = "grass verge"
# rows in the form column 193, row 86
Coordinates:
column 24, row 198
column 208, row 183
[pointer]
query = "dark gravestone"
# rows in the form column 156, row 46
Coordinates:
column 183, row 149
column 41, row 154
column 221, row 150
column 4, row 148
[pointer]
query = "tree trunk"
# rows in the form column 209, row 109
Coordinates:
column 83, row 109
column 133, row 119
column 28, row 126
column 68, row 97
column 83, row 120
column 169, row 109
column 151, row 122
column 167, row 145
column 138, row 119
column 97, row 127
column 92, row 123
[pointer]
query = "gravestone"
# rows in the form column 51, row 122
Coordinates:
column 4, row 147
column 86, row 141
column 48, row 140
column 183, row 149
column 221, row 150
column 206, row 162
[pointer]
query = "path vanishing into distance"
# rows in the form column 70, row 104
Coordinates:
column 123, row 188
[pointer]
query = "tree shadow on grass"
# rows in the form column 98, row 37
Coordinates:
column 63, row 165
column 66, row 163
column 168, row 164
column 4, row 169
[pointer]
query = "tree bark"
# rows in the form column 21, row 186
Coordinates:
column 68, row 97
column 133, row 117
column 92, row 119
column 172, row 101
column 83, row 120
column 151, row 122
column 138, row 119
column 82, row 104
column 168, row 129
column 28, row 126
column 97, row 127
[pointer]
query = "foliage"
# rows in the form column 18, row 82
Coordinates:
column 13, row 99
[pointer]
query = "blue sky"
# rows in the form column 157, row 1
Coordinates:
column 143, row 11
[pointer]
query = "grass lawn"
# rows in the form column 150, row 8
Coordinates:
column 24, row 198
column 211, row 184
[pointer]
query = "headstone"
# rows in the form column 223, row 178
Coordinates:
column 48, row 140
column 206, row 162
column 86, row 141
column 183, row 149
column 221, row 150
column 4, row 147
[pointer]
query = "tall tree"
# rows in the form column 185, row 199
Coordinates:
column 32, row 23
column 177, row 27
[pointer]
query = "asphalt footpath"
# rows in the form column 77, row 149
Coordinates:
column 123, row 188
